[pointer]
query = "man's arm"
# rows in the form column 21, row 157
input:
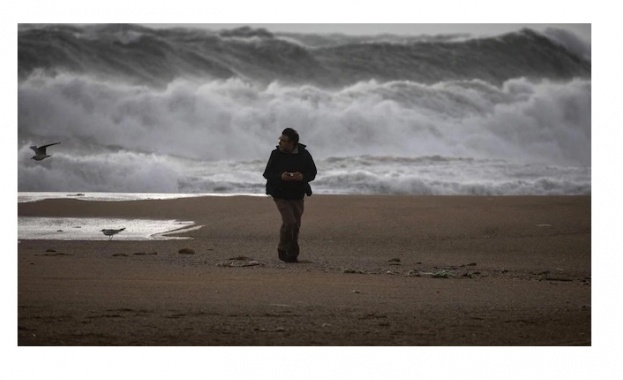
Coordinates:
column 310, row 171
column 271, row 173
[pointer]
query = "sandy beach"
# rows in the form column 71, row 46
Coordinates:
column 375, row 271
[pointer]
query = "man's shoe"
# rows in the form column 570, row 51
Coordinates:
column 283, row 256
column 294, row 253
column 291, row 259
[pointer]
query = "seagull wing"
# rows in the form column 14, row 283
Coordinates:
column 42, row 147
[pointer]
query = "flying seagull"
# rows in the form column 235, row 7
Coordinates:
column 40, row 153
column 112, row 232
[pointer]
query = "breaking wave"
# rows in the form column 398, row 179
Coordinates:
column 191, row 111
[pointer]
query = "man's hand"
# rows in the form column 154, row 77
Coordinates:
column 287, row 176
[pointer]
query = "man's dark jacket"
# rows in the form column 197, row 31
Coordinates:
column 299, row 161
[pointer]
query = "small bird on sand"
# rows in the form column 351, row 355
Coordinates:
column 40, row 153
column 111, row 232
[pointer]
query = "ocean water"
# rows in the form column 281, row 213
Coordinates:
column 185, row 111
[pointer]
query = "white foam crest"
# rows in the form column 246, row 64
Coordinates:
column 196, row 121
column 449, row 176
column 133, row 172
column 122, row 171
column 215, row 136
column 232, row 119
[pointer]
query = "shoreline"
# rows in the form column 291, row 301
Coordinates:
column 31, row 197
column 510, row 271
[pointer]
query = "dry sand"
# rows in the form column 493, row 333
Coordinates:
column 510, row 271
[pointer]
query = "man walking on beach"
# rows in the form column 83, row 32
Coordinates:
column 289, row 170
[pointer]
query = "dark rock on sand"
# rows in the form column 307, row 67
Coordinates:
column 468, row 265
column 56, row 254
column 186, row 251
column 557, row 278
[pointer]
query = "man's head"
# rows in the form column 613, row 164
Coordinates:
column 288, row 140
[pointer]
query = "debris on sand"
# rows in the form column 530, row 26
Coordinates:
column 557, row 278
column 439, row 274
column 354, row 271
column 469, row 265
column 240, row 263
column 412, row 273
column 186, row 251
column 243, row 258
column 394, row 261
column 442, row 274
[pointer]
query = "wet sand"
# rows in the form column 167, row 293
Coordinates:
column 375, row 271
